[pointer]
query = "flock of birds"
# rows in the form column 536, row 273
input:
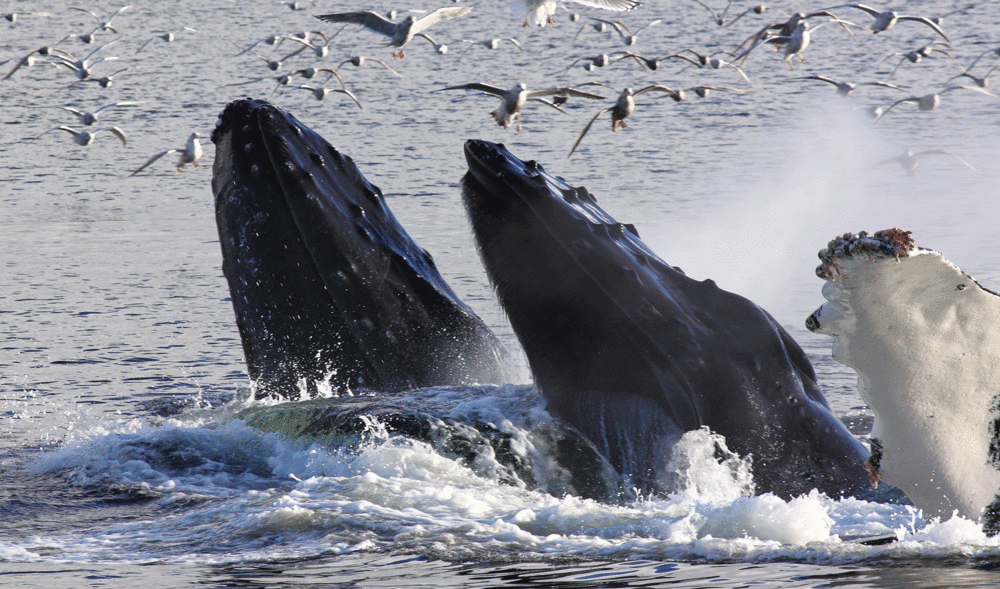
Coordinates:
column 790, row 34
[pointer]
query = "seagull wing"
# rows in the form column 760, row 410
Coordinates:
column 820, row 78
column 871, row 11
column 645, row 26
column 438, row 15
column 655, row 88
column 20, row 62
column 77, row 112
column 153, row 159
column 349, row 93
column 369, row 19
column 566, row 91
column 63, row 127
column 117, row 133
column 697, row 89
column 900, row 101
column 615, row 5
column 549, row 103
column 927, row 22
column 943, row 152
column 384, row 64
column 127, row 103
column 90, row 12
column 515, row 43
column 973, row 88
column 500, row 92
column 579, row 137
column 882, row 84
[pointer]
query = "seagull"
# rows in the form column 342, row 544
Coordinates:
column 622, row 108
column 909, row 159
column 320, row 50
column 87, row 137
column 89, row 118
column 846, row 88
column 441, row 48
column 104, row 81
column 190, row 154
column 298, row 5
column 982, row 82
column 886, row 19
column 168, row 37
column 282, row 80
column 917, row 55
column 322, row 93
column 759, row 9
column 540, row 12
column 939, row 19
column 86, row 38
column 103, row 25
column 795, row 43
column 493, row 43
column 628, row 38
column 995, row 51
column 709, row 61
column 28, row 60
column 931, row 101
column 399, row 33
column 651, row 64
column 787, row 27
column 595, row 62
column 720, row 19
column 360, row 60
column 599, row 26
column 82, row 67
column 512, row 100
column 275, row 64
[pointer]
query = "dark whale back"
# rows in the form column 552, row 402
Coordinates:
column 328, row 288
column 632, row 352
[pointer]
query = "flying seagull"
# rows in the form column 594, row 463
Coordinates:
column 512, row 100
column 908, row 160
column 86, row 137
column 399, row 33
column 190, row 154
column 89, row 118
column 886, row 19
column 846, row 88
column 622, row 108
column 540, row 12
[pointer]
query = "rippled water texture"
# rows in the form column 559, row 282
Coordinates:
column 120, row 355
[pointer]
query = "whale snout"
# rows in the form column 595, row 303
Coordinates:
column 812, row 321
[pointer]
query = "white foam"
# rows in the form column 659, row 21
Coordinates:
column 243, row 495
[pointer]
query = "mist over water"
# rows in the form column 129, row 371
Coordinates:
column 121, row 369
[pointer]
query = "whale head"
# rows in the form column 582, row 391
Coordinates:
column 329, row 290
column 632, row 352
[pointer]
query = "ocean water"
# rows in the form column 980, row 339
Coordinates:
column 130, row 454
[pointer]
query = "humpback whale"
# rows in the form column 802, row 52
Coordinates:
column 922, row 336
column 633, row 353
column 329, row 291
column 330, row 294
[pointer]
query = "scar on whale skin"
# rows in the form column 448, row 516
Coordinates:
column 633, row 353
column 923, row 337
column 328, row 289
